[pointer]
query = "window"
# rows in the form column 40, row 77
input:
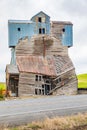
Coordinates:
column 19, row 29
column 41, row 30
column 36, row 78
column 42, row 86
column 58, row 80
column 36, row 91
column 42, row 92
column 39, row 78
column 43, row 19
column 63, row 29
column 39, row 19
column 39, row 91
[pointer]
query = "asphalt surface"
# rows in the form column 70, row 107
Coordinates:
column 22, row 111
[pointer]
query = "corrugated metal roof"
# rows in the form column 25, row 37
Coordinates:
column 12, row 69
column 62, row 22
column 62, row 63
column 19, row 21
column 50, row 65
column 37, row 65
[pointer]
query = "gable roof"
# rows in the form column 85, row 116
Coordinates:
column 40, row 13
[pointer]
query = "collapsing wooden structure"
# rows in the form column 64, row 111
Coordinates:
column 39, row 60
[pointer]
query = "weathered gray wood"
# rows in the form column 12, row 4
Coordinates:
column 35, row 46
column 47, row 46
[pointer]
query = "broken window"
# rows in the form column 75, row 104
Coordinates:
column 39, row 19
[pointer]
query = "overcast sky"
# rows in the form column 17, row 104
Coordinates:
column 59, row 10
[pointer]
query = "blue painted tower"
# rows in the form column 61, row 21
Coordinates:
column 39, row 24
column 67, row 36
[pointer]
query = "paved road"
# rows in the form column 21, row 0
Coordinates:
column 21, row 111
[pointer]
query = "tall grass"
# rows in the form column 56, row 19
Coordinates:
column 75, row 122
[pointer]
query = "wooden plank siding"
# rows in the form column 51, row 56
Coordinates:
column 35, row 46
column 29, row 57
column 26, row 84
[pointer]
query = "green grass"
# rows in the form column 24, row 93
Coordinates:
column 82, row 81
column 2, row 86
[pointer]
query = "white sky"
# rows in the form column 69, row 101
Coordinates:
column 59, row 10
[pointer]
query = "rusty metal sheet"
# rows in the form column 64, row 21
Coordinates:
column 37, row 65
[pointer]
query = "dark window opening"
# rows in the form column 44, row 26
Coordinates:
column 47, row 81
column 43, row 31
column 59, row 79
column 19, row 29
column 36, row 78
column 39, row 19
column 42, row 92
column 36, row 91
column 39, row 78
column 42, row 86
column 63, row 29
column 40, row 30
column 44, row 76
column 48, row 87
column 39, row 91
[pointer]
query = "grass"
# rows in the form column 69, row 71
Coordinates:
column 82, row 81
column 2, row 86
column 74, row 122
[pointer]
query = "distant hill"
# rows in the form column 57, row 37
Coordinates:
column 82, row 81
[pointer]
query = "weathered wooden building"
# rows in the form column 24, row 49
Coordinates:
column 39, row 57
